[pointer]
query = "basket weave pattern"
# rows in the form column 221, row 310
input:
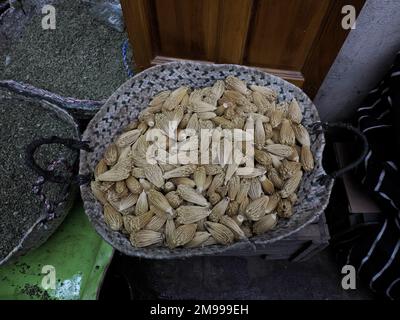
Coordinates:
column 135, row 94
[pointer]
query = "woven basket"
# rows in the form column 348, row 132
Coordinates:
column 39, row 231
column 134, row 95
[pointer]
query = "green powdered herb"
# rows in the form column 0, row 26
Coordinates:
column 21, row 122
column 81, row 58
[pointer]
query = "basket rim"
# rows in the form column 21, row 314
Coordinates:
column 178, row 252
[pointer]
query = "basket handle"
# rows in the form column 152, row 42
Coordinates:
column 320, row 127
column 48, row 175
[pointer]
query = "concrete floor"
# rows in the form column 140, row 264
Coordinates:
column 234, row 278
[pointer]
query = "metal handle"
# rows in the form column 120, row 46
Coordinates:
column 48, row 175
column 325, row 126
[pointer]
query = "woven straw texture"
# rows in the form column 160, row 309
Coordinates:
column 134, row 95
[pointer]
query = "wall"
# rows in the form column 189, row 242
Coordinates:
column 365, row 57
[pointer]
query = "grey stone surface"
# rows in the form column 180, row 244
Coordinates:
column 366, row 55
column 243, row 278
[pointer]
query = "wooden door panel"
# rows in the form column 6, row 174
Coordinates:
column 233, row 26
column 187, row 29
column 297, row 40
column 138, row 21
column 326, row 46
column 283, row 32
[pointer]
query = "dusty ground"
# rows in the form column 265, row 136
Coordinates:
column 229, row 278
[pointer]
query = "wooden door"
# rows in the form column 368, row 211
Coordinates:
column 297, row 40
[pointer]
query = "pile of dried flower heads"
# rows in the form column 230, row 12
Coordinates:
column 161, row 191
